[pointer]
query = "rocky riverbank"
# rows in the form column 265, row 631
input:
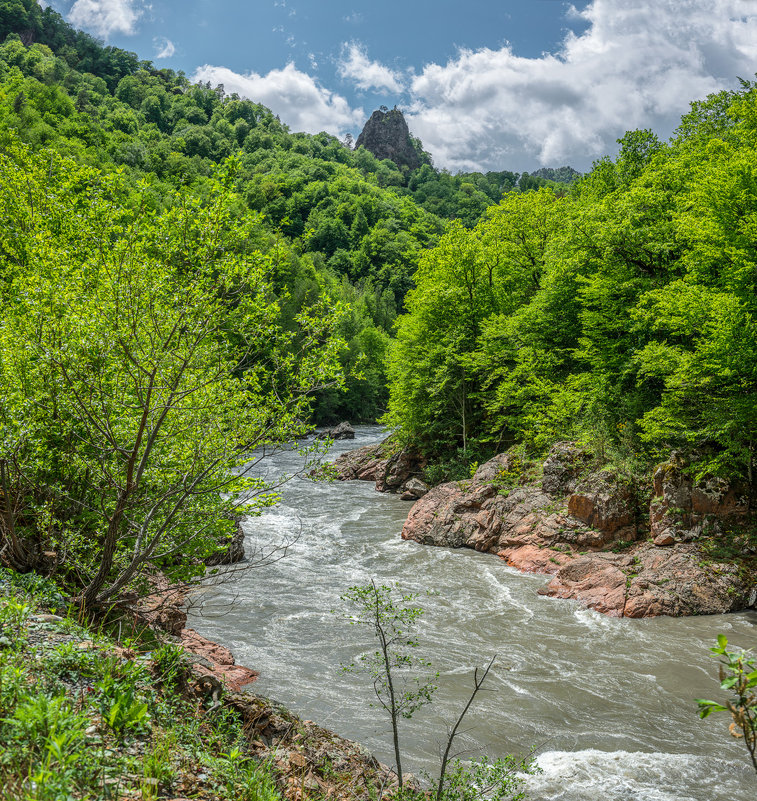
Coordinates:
column 674, row 547
column 157, row 715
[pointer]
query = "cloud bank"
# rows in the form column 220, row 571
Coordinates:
column 300, row 102
column 637, row 64
column 355, row 66
column 105, row 17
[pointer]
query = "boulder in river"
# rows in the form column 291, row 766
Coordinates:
column 413, row 489
column 389, row 466
column 342, row 431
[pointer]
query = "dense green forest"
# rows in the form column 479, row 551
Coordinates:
column 622, row 313
column 342, row 223
column 184, row 281
column 618, row 306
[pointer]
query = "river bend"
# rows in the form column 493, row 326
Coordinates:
column 609, row 702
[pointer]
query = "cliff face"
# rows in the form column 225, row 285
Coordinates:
column 387, row 136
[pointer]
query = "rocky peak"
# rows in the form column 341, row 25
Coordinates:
column 387, row 136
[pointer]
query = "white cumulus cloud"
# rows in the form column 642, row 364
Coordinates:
column 300, row 102
column 355, row 66
column 164, row 48
column 105, row 17
column 637, row 65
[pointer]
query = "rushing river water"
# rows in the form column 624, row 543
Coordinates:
column 609, row 703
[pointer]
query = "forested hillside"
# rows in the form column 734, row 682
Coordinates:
column 618, row 307
column 342, row 223
column 622, row 313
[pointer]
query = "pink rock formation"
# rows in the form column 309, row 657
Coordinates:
column 572, row 537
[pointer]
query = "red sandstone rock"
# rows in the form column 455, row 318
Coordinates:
column 647, row 582
column 595, row 580
column 362, row 464
column 164, row 608
column 606, row 503
column 531, row 532
column 685, row 507
column 391, row 470
column 220, row 659
column 533, row 559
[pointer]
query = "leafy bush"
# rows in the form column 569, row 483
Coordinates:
column 738, row 674
column 168, row 664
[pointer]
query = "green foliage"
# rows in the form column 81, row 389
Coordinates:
column 125, row 713
column 340, row 223
column 66, row 736
column 42, row 589
column 499, row 779
column 13, row 616
column 37, row 722
column 621, row 313
column 324, row 215
column 469, row 280
column 241, row 778
column 158, row 763
column 144, row 354
column 120, row 695
column 457, row 465
column 67, row 660
column 169, row 665
column 738, row 674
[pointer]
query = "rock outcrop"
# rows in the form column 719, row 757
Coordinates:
column 650, row 581
column 582, row 528
column 233, row 550
column 683, row 509
column 387, row 136
column 211, row 659
column 164, row 609
column 392, row 469
column 342, row 431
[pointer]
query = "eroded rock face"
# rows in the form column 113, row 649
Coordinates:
column 163, row 608
column 568, row 537
column 362, row 464
column 563, row 468
column 399, row 467
column 605, row 502
column 392, row 471
column 683, row 508
column 650, row 581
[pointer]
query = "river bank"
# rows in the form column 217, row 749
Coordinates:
column 610, row 701
column 669, row 546
column 129, row 711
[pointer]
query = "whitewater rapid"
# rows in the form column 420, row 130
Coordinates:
column 608, row 703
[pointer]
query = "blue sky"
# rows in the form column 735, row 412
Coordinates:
column 497, row 84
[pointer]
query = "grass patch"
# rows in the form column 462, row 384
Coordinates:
column 80, row 720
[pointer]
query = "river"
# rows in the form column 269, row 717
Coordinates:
column 608, row 703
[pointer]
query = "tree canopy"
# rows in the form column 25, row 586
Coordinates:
column 623, row 310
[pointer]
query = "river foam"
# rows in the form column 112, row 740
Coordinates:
column 622, row 776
